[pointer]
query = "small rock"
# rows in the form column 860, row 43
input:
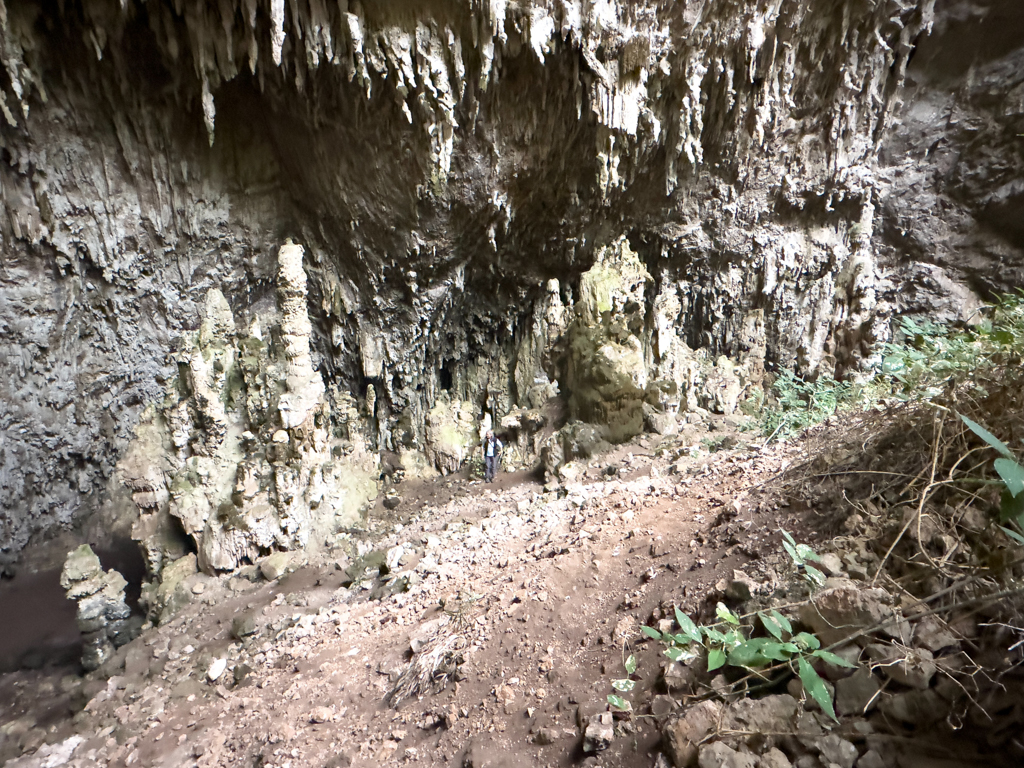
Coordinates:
column 241, row 673
column 216, row 669
column 277, row 565
column 832, row 565
column 678, row 677
column 740, row 587
column 932, row 633
column 685, row 734
column 392, row 501
column 857, row 694
column 914, row 668
column 719, row 755
column 280, row 437
column 871, row 759
column 920, row 708
column 599, row 734
column 663, row 705
column 198, row 589
column 841, row 609
column 320, row 715
column 774, row 758
column 837, row 751
column 243, row 626
column 546, row 736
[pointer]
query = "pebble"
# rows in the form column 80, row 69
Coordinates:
column 217, row 669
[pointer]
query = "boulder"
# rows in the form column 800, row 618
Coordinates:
column 277, row 565
column 842, row 608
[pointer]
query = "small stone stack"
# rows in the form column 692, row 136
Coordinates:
column 103, row 614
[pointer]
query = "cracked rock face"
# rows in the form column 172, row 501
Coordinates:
column 789, row 175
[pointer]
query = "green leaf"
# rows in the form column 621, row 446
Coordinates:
column 807, row 640
column 791, row 551
column 1010, row 507
column 773, row 626
column 683, row 655
column 783, row 621
column 893, row 363
column 688, row 627
column 651, row 633
column 619, row 703
column 716, row 659
column 831, row 658
column 1012, row 474
column 1012, row 534
column 815, row 686
column 817, row 577
column 625, row 685
column 749, row 654
column 988, row 437
column 788, row 537
column 806, row 553
column 732, row 639
column 630, row 664
column 726, row 615
column 713, row 636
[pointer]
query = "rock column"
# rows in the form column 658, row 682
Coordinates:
column 103, row 614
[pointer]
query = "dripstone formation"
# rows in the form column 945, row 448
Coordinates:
column 103, row 615
column 568, row 220
column 248, row 452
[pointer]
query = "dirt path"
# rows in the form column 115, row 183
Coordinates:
column 539, row 595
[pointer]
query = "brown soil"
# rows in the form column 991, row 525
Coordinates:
column 539, row 591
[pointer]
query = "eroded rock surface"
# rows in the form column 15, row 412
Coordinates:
column 248, row 453
column 804, row 169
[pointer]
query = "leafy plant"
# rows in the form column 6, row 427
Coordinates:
column 729, row 643
column 802, row 555
column 624, row 685
column 921, row 363
column 1011, row 475
column 800, row 404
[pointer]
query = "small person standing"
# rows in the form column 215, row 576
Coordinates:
column 492, row 455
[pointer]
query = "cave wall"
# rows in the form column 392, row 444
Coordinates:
column 829, row 164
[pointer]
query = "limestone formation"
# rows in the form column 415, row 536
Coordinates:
column 792, row 176
column 103, row 615
column 247, row 453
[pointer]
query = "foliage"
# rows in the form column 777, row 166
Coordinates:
column 1011, row 476
column 731, row 642
column 931, row 356
column 802, row 555
column 801, row 404
column 924, row 361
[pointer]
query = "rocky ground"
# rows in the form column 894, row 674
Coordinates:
column 523, row 605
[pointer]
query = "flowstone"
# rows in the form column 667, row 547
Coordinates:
column 248, row 453
column 606, row 373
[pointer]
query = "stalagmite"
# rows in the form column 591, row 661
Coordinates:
column 103, row 615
